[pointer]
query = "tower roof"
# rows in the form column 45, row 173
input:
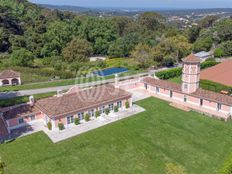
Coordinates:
column 191, row 59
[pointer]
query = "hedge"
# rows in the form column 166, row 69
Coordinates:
column 176, row 72
column 208, row 64
column 170, row 73
column 213, row 86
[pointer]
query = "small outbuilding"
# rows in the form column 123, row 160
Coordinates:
column 10, row 77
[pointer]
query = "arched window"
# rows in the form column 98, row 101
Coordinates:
column 5, row 82
column 15, row 81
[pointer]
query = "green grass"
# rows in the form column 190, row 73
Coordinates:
column 175, row 79
column 140, row 144
column 23, row 99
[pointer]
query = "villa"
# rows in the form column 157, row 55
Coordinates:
column 189, row 94
column 76, row 103
column 64, row 108
column 10, row 77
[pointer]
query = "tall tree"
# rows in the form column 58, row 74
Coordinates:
column 142, row 55
column 22, row 57
column 77, row 50
column 151, row 21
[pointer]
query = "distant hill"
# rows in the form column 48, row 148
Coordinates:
column 135, row 11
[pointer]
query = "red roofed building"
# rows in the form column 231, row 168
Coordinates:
column 10, row 77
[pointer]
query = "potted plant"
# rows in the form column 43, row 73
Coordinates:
column 97, row 114
column 87, row 117
column 49, row 125
column 127, row 104
column 115, row 108
column 76, row 121
column 107, row 111
column 61, row 126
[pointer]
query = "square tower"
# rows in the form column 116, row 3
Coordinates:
column 190, row 74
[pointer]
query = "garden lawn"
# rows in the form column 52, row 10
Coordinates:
column 140, row 144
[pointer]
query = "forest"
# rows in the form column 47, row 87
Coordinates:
column 50, row 42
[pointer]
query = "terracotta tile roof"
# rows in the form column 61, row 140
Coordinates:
column 213, row 96
column 163, row 84
column 9, row 74
column 81, row 100
column 19, row 111
column 200, row 93
column 191, row 59
column 220, row 73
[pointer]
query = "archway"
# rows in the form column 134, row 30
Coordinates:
column 15, row 81
column 5, row 82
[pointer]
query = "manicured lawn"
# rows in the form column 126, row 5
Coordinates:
column 139, row 144
column 175, row 79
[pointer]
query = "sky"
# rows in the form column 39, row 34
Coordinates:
column 142, row 3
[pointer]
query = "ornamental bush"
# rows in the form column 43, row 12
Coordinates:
column 87, row 117
column 208, row 64
column 107, row 111
column 97, row 114
column 127, row 104
column 61, row 126
column 115, row 108
column 49, row 125
column 168, row 74
column 76, row 121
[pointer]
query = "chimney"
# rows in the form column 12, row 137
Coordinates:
column 59, row 93
column 116, row 81
column 31, row 100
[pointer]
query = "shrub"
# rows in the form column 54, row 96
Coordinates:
column 97, row 114
column 208, row 64
column 168, row 74
column 49, row 125
column 61, row 126
column 87, row 117
column 218, row 52
column 76, row 121
column 107, row 111
column 115, row 108
column 127, row 104
column 213, row 86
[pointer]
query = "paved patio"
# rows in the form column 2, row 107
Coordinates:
column 74, row 130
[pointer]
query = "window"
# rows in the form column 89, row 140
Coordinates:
column 81, row 116
column 171, row 94
column 20, row 120
column 219, row 107
column 201, row 102
column 157, row 89
column 185, row 86
column 70, row 119
column 32, row 117
column 119, row 104
column 111, row 107
column 102, row 109
column 185, row 98
column 145, row 86
column 91, row 113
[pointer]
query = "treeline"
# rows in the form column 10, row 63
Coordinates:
column 28, row 31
